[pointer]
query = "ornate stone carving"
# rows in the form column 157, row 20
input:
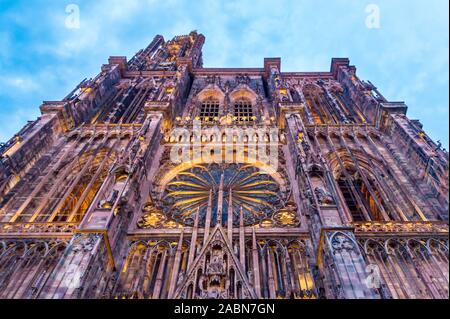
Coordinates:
column 221, row 230
column 323, row 196
column 404, row 227
column 108, row 203
column 45, row 228
column 84, row 243
column 341, row 242
column 152, row 218
column 211, row 271
column 287, row 216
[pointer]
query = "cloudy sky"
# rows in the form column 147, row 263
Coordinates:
column 406, row 57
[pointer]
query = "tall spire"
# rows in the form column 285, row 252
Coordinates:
column 230, row 218
column 220, row 201
column 192, row 248
column 208, row 217
column 176, row 265
column 241, row 238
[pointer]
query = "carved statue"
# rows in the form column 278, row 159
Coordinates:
column 180, row 278
column 86, row 243
column 216, row 265
column 250, row 276
column 323, row 196
column 110, row 201
column 201, row 285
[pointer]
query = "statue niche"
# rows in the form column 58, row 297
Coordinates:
column 324, row 197
column 215, row 273
column 214, row 283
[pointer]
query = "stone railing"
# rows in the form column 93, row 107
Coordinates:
column 106, row 129
column 410, row 227
column 36, row 228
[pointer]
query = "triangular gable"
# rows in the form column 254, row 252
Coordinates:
column 217, row 234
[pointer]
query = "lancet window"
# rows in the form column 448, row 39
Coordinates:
column 243, row 111
column 209, row 111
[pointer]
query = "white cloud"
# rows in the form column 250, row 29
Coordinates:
column 407, row 58
column 24, row 84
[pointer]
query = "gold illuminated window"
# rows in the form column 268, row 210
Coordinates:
column 209, row 111
column 243, row 111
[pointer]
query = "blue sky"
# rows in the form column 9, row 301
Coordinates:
column 406, row 58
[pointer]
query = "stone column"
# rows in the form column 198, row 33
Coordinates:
column 346, row 264
column 84, row 255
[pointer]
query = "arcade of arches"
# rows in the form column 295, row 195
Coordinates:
column 352, row 203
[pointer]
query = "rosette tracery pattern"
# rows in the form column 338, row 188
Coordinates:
column 250, row 189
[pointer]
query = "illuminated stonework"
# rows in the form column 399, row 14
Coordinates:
column 93, row 206
column 201, row 187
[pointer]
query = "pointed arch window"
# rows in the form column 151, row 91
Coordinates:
column 209, row 111
column 359, row 200
column 243, row 111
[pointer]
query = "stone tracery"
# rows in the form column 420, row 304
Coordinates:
column 91, row 205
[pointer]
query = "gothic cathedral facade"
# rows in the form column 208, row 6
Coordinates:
column 162, row 179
